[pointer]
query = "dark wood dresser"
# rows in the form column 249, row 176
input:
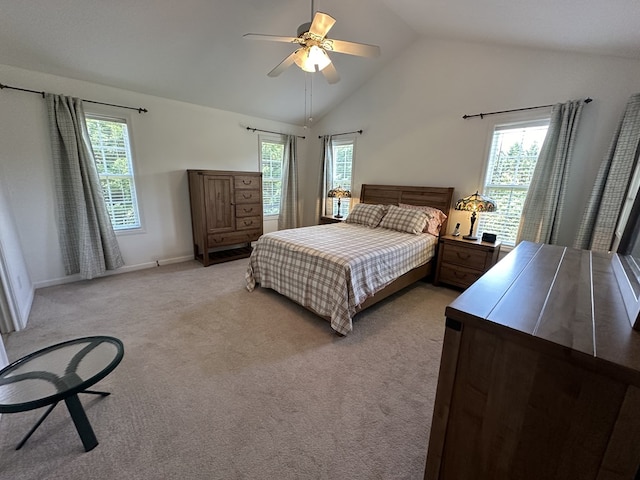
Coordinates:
column 226, row 214
column 540, row 373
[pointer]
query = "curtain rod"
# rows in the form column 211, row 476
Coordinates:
column 139, row 109
column 269, row 131
column 345, row 133
column 482, row 115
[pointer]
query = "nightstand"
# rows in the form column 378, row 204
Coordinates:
column 330, row 219
column 461, row 262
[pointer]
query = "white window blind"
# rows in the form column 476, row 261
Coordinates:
column 343, row 150
column 511, row 163
column 112, row 150
column 271, row 160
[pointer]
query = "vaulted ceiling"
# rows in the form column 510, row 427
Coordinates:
column 194, row 51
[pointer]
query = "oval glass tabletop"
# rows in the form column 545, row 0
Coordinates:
column 56, row 372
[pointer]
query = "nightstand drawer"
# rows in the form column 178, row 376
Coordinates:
column 458, row 275
column 461, row 255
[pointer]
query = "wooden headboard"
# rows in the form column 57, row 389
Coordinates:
column 438, row 197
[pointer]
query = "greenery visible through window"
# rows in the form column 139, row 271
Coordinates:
column 271, row 159
column 512, row 160
column 342, row 171
column 112, row 150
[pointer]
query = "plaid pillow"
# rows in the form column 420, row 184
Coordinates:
column 366, row 214
column 435, row 217
column 404, row 220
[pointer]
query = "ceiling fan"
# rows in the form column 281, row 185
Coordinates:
column 311, row 56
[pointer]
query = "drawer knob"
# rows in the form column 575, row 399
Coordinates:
column 463, row 255
column 246, row 182
column 246, row 196
column 247, row 223
column 248, row 210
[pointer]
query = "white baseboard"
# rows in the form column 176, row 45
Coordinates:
column 124, row 269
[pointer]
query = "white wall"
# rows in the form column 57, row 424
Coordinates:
column 170, row 139
column 412, row 112
column 16, row 288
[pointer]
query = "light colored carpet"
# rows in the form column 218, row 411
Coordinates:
column 220, row 383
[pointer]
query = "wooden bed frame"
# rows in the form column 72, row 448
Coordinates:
column 438, row 197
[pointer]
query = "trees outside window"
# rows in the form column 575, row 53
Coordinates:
column 510, row 166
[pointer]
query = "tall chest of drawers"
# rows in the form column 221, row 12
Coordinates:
column 226, row 213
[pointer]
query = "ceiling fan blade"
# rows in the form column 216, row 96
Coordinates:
column 271, row 38
column 352, row 48
column 331, row 74
column 321, row 24
column 282, row 66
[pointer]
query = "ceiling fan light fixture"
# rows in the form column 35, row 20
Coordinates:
column 314, row 59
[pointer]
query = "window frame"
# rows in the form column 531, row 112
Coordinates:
column 513, row 120
column 269, row 138
column 346, row 203
column 113, row 116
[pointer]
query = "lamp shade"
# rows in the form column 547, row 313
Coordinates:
column 339, row 192
column 476, row 203
column 312, row 59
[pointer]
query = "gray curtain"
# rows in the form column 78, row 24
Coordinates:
column 596, row 232
column 542, row 210
column 288, row 217
column 89, row 245
column 327, row 175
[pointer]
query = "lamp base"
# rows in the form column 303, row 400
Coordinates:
column 469, row 237
column 337, row 216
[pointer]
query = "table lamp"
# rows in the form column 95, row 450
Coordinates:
column 475, row 203
column 339, row 193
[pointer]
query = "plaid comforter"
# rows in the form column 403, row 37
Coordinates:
column 332, row 269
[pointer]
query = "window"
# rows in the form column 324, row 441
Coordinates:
column 512, row 160
column 112, row 150
column 271, row 160
column 342, row 155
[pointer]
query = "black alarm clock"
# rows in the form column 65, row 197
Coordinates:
column 489, row 237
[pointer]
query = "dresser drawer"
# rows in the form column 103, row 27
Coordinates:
column 458, row 275
column 248, row 223
column 248, row 210
column 460, row 255
column 247, row 196
column 233, row 238
column 241, row 182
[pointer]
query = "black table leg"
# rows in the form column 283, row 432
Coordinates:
column 35, row 427
column 81, row 422
column 95, row 392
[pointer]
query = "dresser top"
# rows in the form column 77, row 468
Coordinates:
column 567, row 297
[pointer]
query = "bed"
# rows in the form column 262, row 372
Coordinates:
column 338, row 270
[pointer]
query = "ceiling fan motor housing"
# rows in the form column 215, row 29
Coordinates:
column 304, row 28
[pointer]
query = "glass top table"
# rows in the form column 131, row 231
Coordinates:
column 60, row 372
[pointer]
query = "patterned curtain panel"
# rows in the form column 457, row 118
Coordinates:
column 327, row 176
column 542, row 210
column 89, row 245
column 601, row 215
column 288, row 217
